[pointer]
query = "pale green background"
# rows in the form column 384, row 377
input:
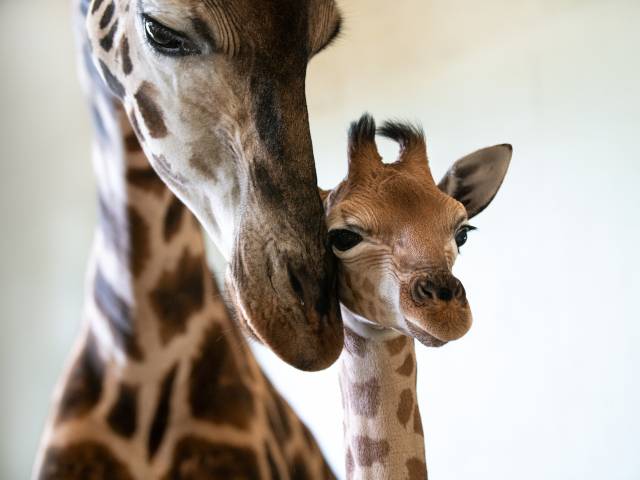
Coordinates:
column 546, row 383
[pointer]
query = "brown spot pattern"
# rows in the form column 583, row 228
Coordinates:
column 406, row 369
column 416, row 469
column 364, row 397
column 107, row 41
column 178, row 295
column 395, row 346
column 173, row 218
column 198, row 459
column 417, row 421
column 107, row 15
column 123, row 415
column 163, row 411
column 118, row 316
column 354, row 343
column 298, row 470
column 368, row 451
column 216, row 391
column 125, row 55
column 150, row 111
column 146, row 179
column 83, row 461
column 83, row 388
column 405, row 407
column 139, row 233
column 96, row 6
column 131, row 143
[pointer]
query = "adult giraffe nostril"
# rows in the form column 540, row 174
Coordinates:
column 316, row 298
column 296, row 285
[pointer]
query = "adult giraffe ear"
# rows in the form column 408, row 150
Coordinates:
column 475, row 179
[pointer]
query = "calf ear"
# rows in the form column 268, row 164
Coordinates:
column 475, row 179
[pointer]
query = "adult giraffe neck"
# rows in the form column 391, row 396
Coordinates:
column 382, row 424
column 160, row 382
column 148, row 273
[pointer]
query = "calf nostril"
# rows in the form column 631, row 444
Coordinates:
column 444, row 294
column 423, row 290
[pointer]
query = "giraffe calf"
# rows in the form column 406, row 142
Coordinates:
column 397, row 235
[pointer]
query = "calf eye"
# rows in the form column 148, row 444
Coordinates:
column 344, row 240
column 461, row 236
column 166, row 41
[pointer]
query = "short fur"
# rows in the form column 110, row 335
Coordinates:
column 396, row 285
column 161, row 384
column 226, row 127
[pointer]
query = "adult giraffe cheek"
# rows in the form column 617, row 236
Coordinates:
column 285, row 293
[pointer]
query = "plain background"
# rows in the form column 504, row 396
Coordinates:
column 546, row 383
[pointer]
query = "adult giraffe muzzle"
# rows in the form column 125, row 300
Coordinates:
column 216, row 94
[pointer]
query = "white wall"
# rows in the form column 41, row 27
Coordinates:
column 546, row 383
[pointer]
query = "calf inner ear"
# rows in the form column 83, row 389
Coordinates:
column 475, row 179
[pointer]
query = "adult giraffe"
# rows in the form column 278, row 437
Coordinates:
column 216, row 94
column 160, row 384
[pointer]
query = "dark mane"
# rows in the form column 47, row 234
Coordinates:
column 407, row 134
column 362, row 131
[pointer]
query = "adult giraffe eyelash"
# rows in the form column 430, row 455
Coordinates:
column 167, row 41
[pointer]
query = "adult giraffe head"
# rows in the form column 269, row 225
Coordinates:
column 397, row 233
column 216, row 93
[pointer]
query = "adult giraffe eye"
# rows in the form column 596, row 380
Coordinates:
column 344, row 240
column 167, row 41
column 461, row 236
